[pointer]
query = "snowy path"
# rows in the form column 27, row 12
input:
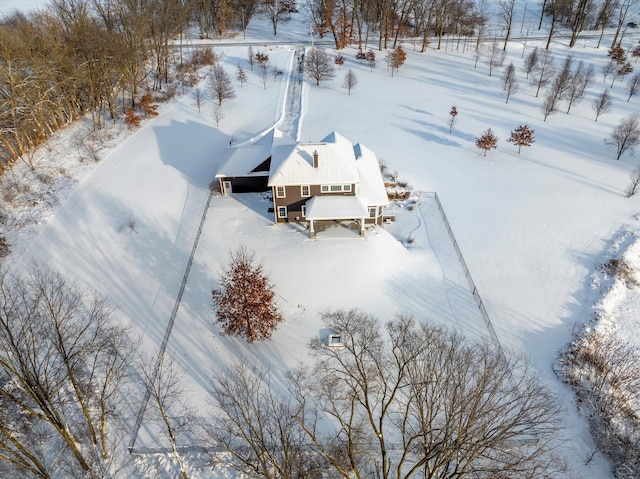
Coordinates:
column 293, row 99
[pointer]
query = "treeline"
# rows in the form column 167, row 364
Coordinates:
column 81, row 57
column 91, row 56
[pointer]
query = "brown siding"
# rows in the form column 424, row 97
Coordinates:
column 294, row 200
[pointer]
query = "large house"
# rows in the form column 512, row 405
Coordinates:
column 312, row 183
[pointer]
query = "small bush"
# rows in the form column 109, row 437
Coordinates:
column 620, row 268
column 147, row 105
column 207, row 56
column 4, row 247
column 132, row 119
column 44, row 179
column 395, row 195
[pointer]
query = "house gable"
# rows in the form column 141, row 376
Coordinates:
column 264, row 166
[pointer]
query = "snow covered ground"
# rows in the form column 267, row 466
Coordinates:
column 532, row 227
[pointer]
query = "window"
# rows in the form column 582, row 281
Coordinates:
column 304, row 191
column 304, row 211
column 282, row 211
column 280, row 192
column 335, row 188
column 372, row 212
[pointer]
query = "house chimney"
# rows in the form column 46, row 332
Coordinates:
column 315, row 158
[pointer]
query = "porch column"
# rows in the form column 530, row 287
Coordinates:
column 361, row 226
column 312, row 232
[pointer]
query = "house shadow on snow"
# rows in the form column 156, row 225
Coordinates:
column 192, row 148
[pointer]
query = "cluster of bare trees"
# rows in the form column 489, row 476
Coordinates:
column 64, row 377
column 92, row 56
column 604, row 371
column 404, row 400
column 353, row 21
column 73, row 58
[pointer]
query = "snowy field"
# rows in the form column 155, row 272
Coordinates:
column 532, row 227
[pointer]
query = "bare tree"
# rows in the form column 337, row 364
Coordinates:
column 549, row 105
column 633, row 85
column 581, row 78
column 608, row 68
column 274, row 13
column 217, row 114
column 414, row 400
column 507, row 9
column 605, row 12
column 602, row 103
column 168, row 405
column 64, row 367
column 634, row 182
column 555, row 8
column 350, row 80
column 220, row 84
column 623, row 7
column 245, row 302
column 531, row 61
column 562, row 80
column 544, row 71
column 197, row 97
column 626, row 135
column 493, row 55
column 256, row 426
column 241, row 76
column 509, row 80
column 251, row 57
column 579, row 15
column 318, row 65
column 487, row 141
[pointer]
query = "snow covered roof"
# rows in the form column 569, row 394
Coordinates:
column 241, row 160
column 335, row 208
column 293, row 164
column 371, row 189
